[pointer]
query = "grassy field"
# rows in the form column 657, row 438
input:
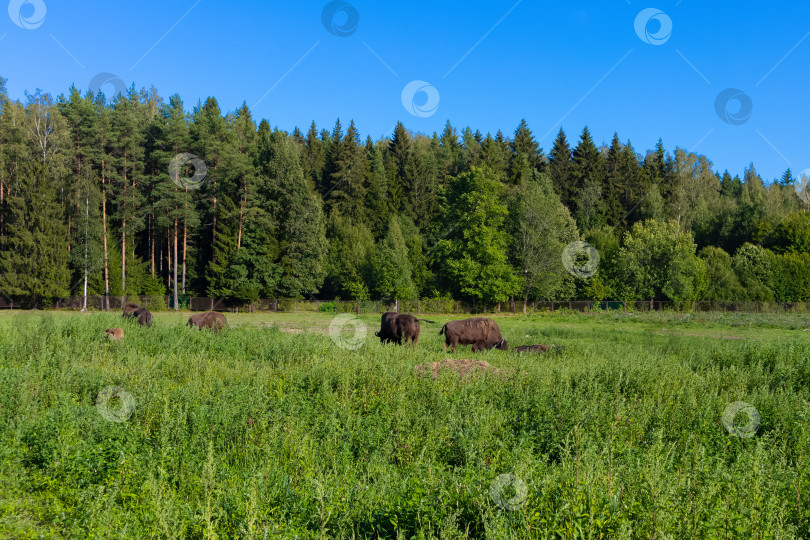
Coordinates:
column 272, row 430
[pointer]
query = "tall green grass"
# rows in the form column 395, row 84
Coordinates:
column 259, row 433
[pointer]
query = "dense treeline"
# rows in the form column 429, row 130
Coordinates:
column 90, row 202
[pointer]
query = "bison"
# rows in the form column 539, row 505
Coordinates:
column 396, row 327
column 210, row 319
column 144, row 316
column 114, row 334
column 480, row 332
column 130, row 308
column 141, row 314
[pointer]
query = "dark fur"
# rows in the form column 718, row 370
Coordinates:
column 480, row 332
column 144, row 316
column 399, row 327
column 130, row 308
column 141, row 314
column 210, row 319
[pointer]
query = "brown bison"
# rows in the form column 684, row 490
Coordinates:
column 210, row 319
column 396, row 328
column 130, row 308
column 114, row 333
column 531, row 348
column 480, row 332
column 141, row 314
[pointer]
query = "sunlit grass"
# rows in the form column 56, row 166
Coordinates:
column 270, row 429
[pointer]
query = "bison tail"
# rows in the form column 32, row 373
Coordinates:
column 442, row 330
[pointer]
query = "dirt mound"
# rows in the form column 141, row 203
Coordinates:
column 462, row 366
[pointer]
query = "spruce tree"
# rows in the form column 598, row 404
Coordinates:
column 302, row 231
column 560, row 170
column 588, row 173
column 34, row 256
column 391, row 269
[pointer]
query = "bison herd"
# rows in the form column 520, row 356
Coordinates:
column 210, row 319
column 478, row 332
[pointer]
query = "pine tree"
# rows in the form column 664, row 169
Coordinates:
column 127, row 151
column 215, row 198
column 82, row 193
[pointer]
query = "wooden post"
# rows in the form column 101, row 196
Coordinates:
column 337, row 305
column 437, row 307
column 417, row 306
column 358, row 307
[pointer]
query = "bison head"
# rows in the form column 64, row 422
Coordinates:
column 502, row 345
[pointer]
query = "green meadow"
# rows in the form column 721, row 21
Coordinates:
column 271, row 430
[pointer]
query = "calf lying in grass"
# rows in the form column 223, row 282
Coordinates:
column 114, row 333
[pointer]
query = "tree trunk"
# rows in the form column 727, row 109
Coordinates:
column 124, row 235
column 152, row 243
column 104, row 232
column 2, row 219
column 214, row 226
column 241, row 213
column 185, row 250
column 185, row 240
column 169, row 256
column 176, row 307
column 86, row 219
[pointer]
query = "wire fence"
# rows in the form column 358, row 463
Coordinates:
column 424, row 306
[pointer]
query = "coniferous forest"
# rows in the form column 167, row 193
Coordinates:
column 136, row 195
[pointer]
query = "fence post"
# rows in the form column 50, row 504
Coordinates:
column 437, row 307
column 358, row 307
column 417, row 306
column 337, row 305
column 378, row 307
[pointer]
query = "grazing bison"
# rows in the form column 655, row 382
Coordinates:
column 210, row 319
column 130, row 308
column 396, row 327
column 114, row 333
column 480, row 332
column 144, row 316
column 141, row 314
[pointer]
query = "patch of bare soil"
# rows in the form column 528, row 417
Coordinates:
column 462, row 366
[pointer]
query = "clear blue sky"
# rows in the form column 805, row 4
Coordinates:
column 553, row 63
